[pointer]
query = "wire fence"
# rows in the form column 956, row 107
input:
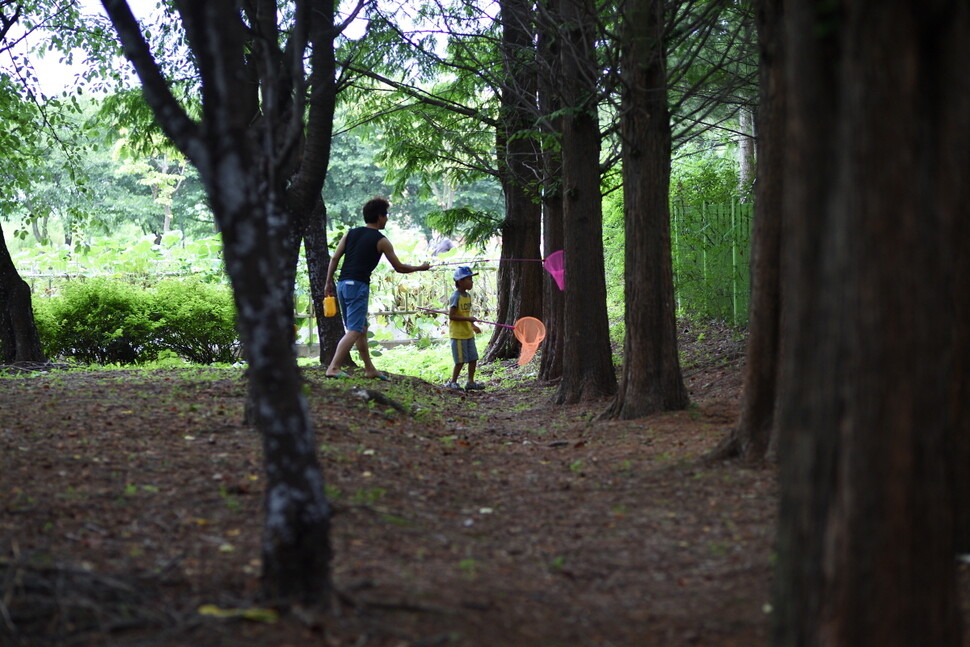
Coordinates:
column 711, row 252
column 710, row 248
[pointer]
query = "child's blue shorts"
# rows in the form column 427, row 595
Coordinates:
column 464, row 350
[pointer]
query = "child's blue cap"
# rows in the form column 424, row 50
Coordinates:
column 464, row 272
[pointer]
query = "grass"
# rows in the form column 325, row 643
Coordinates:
column 431, row 363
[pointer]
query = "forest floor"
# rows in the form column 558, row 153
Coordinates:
column 131, row 515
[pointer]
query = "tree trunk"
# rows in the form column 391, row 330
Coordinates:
column 329, row 329
column 296, row 547
column 38, row 226
column 244, row 157
column 875, row 209
column 587, row 357
column 751, row 438
column 519, row 283
column 550, row 102
column 19, row 340
column 746, row 146
column 651, row 379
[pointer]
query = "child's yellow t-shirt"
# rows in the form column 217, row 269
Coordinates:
column 461, row 329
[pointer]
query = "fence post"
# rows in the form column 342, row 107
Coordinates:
column 734, row 266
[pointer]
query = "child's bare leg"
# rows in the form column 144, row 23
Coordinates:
column 471, row 371
column 456, row 372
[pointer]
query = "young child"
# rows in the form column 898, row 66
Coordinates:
column 462, row 330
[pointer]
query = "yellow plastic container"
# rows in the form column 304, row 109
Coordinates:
column 329, row 306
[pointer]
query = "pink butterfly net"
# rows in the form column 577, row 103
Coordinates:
column 555, row 266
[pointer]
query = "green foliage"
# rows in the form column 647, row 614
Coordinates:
column 137, row 260
column 614, row 237
column 197, row 321
column 477, row 227
column 712, row 65
column 99, row 322
column 704, row 177
column 710, row 234
column 432, row 363
column 710, row 239
column 103, row 321
column 73, row 186
column 355, row 162
column 428, row 103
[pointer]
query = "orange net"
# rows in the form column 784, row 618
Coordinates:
column 530, row 332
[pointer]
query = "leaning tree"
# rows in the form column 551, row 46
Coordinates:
column 261, row 147
column 751, row 438
column 19, row 340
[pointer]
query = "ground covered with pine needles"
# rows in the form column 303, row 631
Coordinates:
column 131, row 514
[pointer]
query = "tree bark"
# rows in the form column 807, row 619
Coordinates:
column 519, row 283
column 550, row 80
column 750, row 440
column 875, row 209
column 19, row 339
column 329, row 329
column 245, row 160
column 651, row 377
column 746, row 146
column 588, row 372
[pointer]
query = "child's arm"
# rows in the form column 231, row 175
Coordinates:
column 454, row 315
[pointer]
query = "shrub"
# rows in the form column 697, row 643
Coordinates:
column 103, row 321
column 197, row 321
column 99, row 322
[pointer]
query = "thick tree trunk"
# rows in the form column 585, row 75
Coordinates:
column 19, row 340
column 296, row 550
column 588, row 372
column 651, row 378
column 519, row 283
column 954, row 196
column 751, row 438
column 878, row 134
column 241, row 153
column 554, row 300
column 550, row 81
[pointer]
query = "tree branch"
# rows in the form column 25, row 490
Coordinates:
column 172, row 117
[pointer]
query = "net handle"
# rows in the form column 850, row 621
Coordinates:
column 493, row 323
column 493, row 260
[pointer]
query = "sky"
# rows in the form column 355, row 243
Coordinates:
column 55, row 75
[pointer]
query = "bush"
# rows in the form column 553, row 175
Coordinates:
column 99, row 322
column 198, row 321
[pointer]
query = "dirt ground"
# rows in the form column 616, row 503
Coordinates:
column 131, row 513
